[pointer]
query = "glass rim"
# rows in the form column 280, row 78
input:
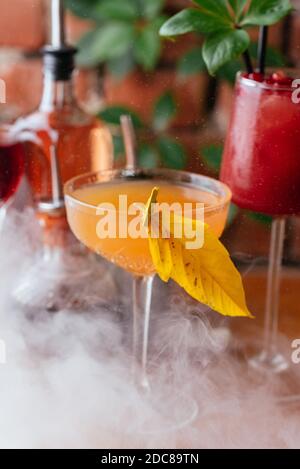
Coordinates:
column 180, row 176
column 266, row 86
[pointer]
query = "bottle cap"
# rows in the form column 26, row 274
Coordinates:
column 58, row 56
column 59, row 62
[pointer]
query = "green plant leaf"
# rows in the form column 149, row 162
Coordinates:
column 229, row 71
column 274, row 58
column 212, row 156
column 266, row 12
column 152, row 8
column 147, row 45
column 112, row 115
column 238, row 6
column 121, row 66
column 117, row 10
column 192, row 20
column 164, row 112
column 148, row 156
column 260, row 217
column 119, row 150
column 223, row 47
column 83, row 8
column 191, row 63
column 172, row 153
column 217, row 8
column 105, row 42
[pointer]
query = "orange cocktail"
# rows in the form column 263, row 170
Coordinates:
column 133, row 255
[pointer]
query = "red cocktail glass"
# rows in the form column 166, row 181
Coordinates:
column 261, row 165
column 11, row 167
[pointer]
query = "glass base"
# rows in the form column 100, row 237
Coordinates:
column 166, row 414
column 267, row 363
column 63, row 280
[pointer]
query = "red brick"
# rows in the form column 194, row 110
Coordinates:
column 295, row 39
column 223, row 107
column 247, row 237
column 139, row 92
column 76, row 27
column 275, row 34
column 191, row 140
column 176, row 4
column 294, row 239
column 22, row 23
column 174, row 49
column 24, row 82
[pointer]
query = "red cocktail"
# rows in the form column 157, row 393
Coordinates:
column 261, row 161
column 11, row 165
column 261, row 165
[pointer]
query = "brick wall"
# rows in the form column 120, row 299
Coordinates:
column 24, row 26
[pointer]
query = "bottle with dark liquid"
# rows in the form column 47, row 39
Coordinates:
column 60, row 141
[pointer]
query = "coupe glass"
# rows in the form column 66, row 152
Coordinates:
column 130, row 254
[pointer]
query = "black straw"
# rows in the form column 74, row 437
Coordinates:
column 248, row 62
column 262, row 49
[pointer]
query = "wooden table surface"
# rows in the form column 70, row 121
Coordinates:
column 255, row 286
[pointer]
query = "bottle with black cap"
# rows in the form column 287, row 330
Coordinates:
column 60, row 142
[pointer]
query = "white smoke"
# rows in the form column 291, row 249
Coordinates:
column 67, row 382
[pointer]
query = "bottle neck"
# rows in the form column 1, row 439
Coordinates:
column 57, row 94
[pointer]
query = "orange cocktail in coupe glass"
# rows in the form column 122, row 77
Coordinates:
column 83, row 195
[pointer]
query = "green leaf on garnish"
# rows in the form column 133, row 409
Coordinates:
column 172, row 153
column 112, row 115
column 220, row 48
column 164, row 112
column 192, row 20
column 191, row 63
column 266, row 12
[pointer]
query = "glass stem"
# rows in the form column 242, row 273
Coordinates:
column 142, row 294
column 273, row 288
column 2, row 215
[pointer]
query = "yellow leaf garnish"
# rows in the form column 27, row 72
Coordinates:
column 207, row 274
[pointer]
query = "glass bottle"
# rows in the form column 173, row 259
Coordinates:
column 60, row 141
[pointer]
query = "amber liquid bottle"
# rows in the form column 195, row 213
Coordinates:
column 60, row 141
